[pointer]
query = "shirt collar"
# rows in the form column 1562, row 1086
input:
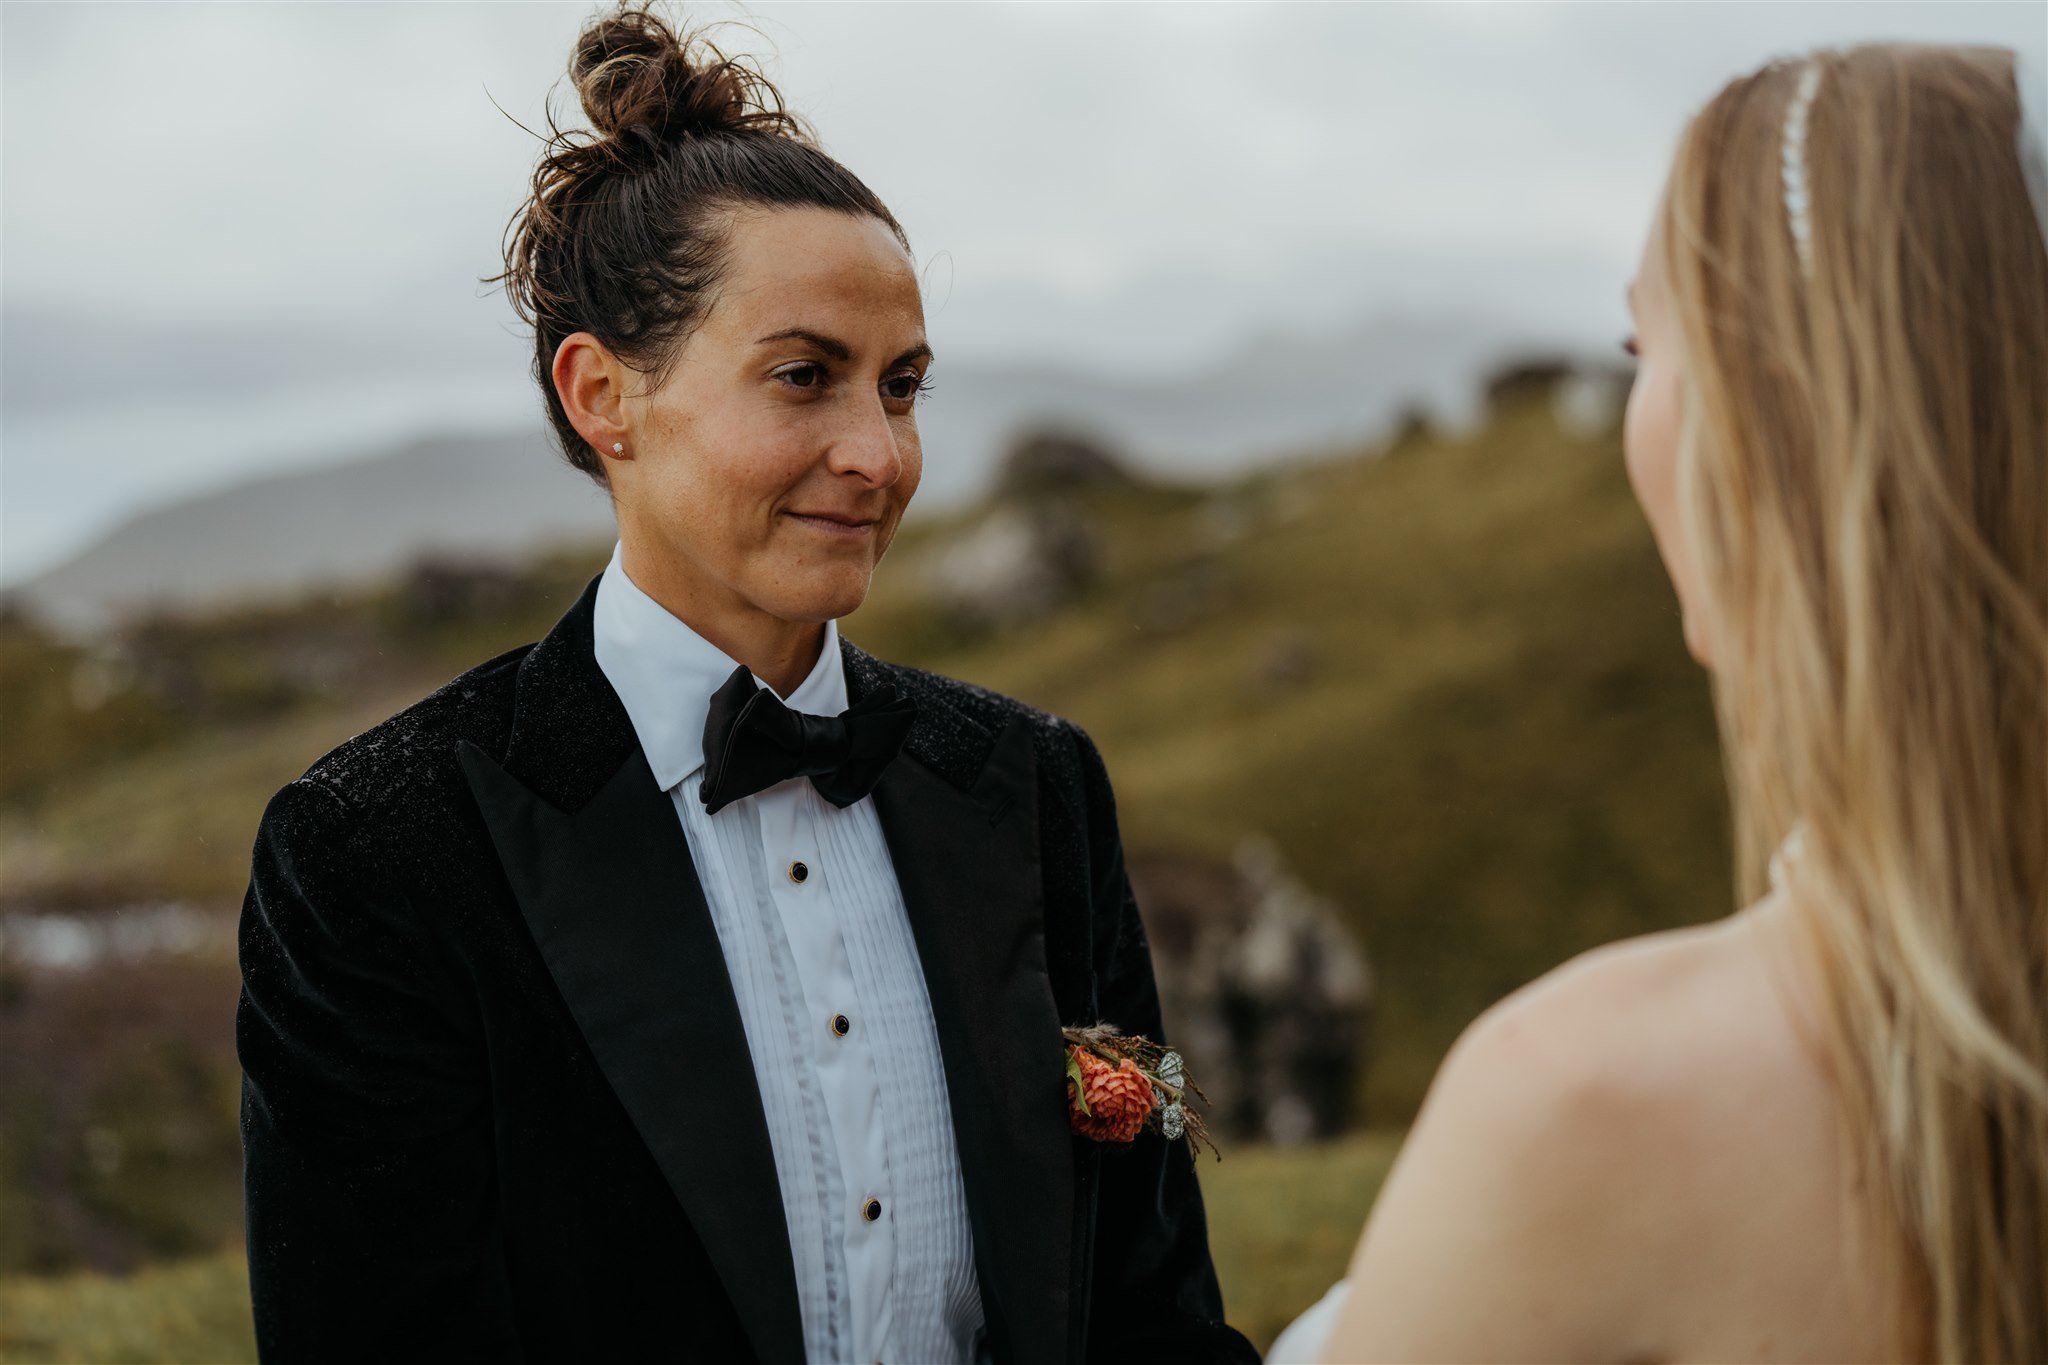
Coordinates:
column 665, row 673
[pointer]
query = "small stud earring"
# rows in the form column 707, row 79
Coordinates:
column 618, row 447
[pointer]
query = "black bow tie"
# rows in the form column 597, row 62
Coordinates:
column 752, row 741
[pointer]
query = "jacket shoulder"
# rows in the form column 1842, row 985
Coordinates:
column 407, row 755
column 1062, row 748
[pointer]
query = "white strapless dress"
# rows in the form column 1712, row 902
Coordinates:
column 1303, row 1341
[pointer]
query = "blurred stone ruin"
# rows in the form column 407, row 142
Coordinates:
column 1265, row 991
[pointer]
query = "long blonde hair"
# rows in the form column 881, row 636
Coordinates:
column 1864, row 466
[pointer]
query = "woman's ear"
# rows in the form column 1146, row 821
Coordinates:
column 590, row 381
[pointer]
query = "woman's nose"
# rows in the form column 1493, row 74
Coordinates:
column 868, row 447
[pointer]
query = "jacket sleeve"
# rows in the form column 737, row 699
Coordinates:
column 1154, row 1294
column 366, row 1121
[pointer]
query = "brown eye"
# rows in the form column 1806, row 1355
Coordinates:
column 803, row 376
column 904, row 388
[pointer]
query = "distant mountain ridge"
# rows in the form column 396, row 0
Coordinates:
column 504, row 494
column 482, row 496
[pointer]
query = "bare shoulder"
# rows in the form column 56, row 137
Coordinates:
column 1667, row 1084
column 1632, row 1122
column 1682, row 1029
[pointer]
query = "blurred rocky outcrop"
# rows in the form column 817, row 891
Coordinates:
column 1042, row 463
column 1530, row 377
column 1265, row 991
column 1034, row 548
column 1586, row 398
column 1014, row 563
column 1590, row 401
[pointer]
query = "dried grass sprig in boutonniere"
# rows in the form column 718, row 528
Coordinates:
column 1119, row 1084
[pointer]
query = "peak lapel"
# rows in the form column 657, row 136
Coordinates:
column 599, row 864
column 967, row 860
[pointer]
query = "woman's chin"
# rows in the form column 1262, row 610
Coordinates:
column 824, row 597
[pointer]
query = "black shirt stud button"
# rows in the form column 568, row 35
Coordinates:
column 841, row 1026
column 872, row 1210
column 799, row 873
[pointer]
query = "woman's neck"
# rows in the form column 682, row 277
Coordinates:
column 779, row 652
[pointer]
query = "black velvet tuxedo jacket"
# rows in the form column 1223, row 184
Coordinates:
column 497, row 1101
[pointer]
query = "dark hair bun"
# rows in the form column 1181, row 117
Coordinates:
column 626, row 229
column 641, row 78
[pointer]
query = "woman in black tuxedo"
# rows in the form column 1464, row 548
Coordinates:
column 530, row 970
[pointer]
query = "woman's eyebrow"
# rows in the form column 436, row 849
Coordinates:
column 837, row 349
column 831, row 346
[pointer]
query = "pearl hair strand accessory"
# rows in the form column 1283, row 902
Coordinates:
column 2031, row 146
column 1798, row 198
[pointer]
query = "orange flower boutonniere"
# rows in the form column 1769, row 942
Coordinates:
column 1119, row 1085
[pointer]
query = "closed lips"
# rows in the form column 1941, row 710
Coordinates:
column 836, row 519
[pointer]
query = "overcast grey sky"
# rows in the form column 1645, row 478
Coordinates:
column 237, row 237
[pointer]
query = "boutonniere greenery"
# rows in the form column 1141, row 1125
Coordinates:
column 1118, row 1085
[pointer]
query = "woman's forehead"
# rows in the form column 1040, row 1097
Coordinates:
column 817, row 246
column 840, row 274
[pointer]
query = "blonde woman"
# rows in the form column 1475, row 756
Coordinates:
column 1816, row 1130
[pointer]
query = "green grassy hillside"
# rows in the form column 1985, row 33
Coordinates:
column 1447, row 680
column 1501, row 754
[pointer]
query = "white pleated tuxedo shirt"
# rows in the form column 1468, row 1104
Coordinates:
column 832, row 997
